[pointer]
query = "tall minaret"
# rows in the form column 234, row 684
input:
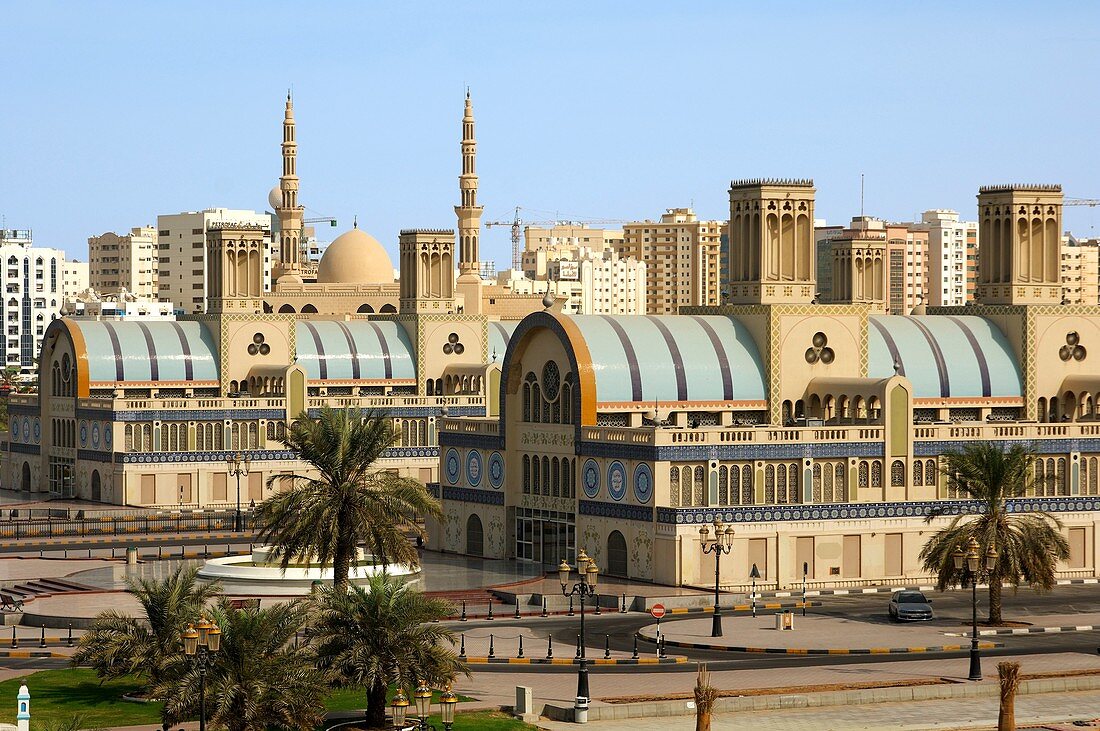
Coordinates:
column 469, row 212
column 289, row 212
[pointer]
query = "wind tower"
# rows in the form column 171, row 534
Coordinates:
column 289, row 211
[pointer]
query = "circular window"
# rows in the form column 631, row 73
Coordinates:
column 551, row 380
column 452, row 338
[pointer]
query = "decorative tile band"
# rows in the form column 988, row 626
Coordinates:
column 701, row 452
column 253, row 454
column 466, row 495
column 24, row 448
column 616, row 511
column 861, row 511
column 487, row 442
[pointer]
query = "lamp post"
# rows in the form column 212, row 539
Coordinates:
column 237, row 466
column 721, row 543
column 754, row 575
column 969, row 559
column 400, row 707
column 422, row 697
column 201, row 643
column 588, row 573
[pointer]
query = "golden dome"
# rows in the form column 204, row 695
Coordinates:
column 355, row 257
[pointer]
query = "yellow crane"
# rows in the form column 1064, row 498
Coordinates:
column 517, row 224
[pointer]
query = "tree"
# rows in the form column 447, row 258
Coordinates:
column 259, row 679
column 349, row 501
column 1029, row 545
column 150, row 646
column 382, row 633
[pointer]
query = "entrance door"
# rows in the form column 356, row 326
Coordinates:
column 616, row 554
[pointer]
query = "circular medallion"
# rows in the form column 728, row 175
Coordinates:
column 95, row 435
column 590, row 479
column 643, row 483
column 37, row 429
column 473, row 468
column 616, row 480
column 83, row 433
column 26, row 428
column 496, row 470
column 15, row 430
column 452, row 466
column 107, row 438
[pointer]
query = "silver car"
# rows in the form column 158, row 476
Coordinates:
column 910, row 606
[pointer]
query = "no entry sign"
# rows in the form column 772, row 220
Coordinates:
column 658, row 610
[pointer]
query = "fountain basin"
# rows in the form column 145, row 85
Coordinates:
column 259, row 574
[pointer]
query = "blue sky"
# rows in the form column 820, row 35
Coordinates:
column 115, row 112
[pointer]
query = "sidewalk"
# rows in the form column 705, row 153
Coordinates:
column 960, row 713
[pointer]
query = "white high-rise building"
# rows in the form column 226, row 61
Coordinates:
column 591, row 282
column 75, row 278
column 181, row 253
column 126, row 261
column 952, row 257
column 33, row 281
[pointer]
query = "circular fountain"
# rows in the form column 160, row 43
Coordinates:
column 261, row 574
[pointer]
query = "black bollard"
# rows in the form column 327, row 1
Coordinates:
column 490, row 610
column 578, row 645
column 42, row 642
column 520, row 654
column 634, row 655
column 492, row 652
column 69, row 641
column 606, row 646
column 624, row 603
column 597, row 603
column 550, row 648
column 516, row 616
column 462, row 647
column 14, row 639
column 463, row 617
column 544, row 612
column 570, row 606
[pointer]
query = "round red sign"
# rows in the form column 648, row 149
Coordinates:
column 658, row 610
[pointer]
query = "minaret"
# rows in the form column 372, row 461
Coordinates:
column 469, row 212
column 289, row 212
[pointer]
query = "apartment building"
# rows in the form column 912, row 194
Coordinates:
column 1080, row 264
column 588, row 282
column 682, row 257
column 75, row 277
column 544, row 245
column 128, row 261
column 32, row 278
column 181, row 253
column 907, row 267
column 952, row 257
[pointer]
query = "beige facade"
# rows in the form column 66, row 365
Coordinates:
column 681, row 254
column 127, row 262
column 907, row 267
column 952, row 257
column 75, row 277
column 1080, row 271
column 563, row 241
column 771, row 242
column 585, row 282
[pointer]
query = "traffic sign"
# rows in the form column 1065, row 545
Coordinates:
column 658, row 610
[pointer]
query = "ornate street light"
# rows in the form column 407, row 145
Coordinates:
column 721, row 543
column 588, row 573
column 447, row 702
column 237, row 466
column 400, row 706
column 970, row 560
column 201, row 643
column 423, row 696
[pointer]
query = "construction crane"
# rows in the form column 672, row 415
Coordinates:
column 517, row 224
column 1081, row 202
column 322, row 219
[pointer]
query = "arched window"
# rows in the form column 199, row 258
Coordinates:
column 475, row 536
column 769, row 485
column 735, row 485
column 876, row 474
column 699, row 489
column 555, row 478
column 723, row 485
column 918, row 473
column 536, row 403
column 930, row 472
column 253, row 435
column 1062, row 484
column 840, row 487
column 685, row 487
column 536, row 481
column 781, row 484
column 827, row 484
column 526, row 474
column 747, row 497
column 897, row 473
column 1040, row 487
column 545, row 475
column 864, row 469
column 817, row 486
column 616, row 554
column 674, row 486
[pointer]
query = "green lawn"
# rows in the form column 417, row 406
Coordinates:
column 59, row 695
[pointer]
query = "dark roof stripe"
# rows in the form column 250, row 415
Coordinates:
column 720, row 353
column 322, row 360
column 677, row 358
column 631, row 357
column 385, row 349
column 154, row 366
column 979, row 356
column 895, row 354
column 351, row 349
column 937, row 355
column 503, row 333
column 120, row 372
column 188, row 365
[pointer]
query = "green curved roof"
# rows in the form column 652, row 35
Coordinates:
column 148, row 351
column 500, row 334
column 646, row 358
column 355, row 350
column 944, row 356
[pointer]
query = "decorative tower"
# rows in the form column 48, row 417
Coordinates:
column 859, row 264
column 427, row 270
column 771, row 242
column 290, row 213
column 235, row 267
column 469, row 212
column 1020, row 236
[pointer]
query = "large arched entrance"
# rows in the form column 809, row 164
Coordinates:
column 97, row 486
column 616, row 554
column 25, row 483
column 475, row 536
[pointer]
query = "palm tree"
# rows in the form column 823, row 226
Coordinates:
column 258, row 679
column 117, row 644
column 382, row 633
column 347, row 501
column 1029, row 545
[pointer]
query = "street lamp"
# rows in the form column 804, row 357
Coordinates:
column 447, row 702
column 721, row 543
column 970, row 560
column 201, row 643
column 423, row 696
column 400, row 706
column 588, row 573
column 237, row 466
column 754, row 575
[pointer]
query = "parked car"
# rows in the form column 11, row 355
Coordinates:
column 910, row 606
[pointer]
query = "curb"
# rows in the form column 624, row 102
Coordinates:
column 32, row 653
column 483, row 660
column 1027, row 631
column 823, row 651
column 741, row 608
